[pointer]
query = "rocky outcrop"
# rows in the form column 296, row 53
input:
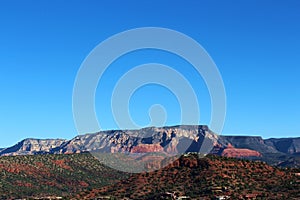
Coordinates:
column 230, row 151
column 250, row 142
column 285, row 145
column 171, row 140
column 32, row 146
column 146, row 148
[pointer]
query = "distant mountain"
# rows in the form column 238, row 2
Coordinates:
column 32, row 146
column 173, row 140
column 285, row 145
column 283, row 152
column 250, row 142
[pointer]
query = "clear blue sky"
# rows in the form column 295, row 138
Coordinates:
column 255, row 44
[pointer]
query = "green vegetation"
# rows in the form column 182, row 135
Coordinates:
column 208, row 177
column 53, row 175
column 79, row 176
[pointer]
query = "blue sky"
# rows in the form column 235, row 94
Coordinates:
column 255, row 44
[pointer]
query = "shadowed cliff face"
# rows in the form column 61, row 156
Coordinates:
column 273, row 145
column 285, row 145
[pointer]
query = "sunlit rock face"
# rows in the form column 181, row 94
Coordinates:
column 230, row 151
column 32, row 146
column 171, row 140
column 164, row 141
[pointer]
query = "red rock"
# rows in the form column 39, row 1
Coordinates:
column 62, row 164
column 147, row 148
column 230, row 151
column 83, row 184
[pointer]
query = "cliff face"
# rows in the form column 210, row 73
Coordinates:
column 171, row 140
column 146, row 148
column 230, row 151
column 285, row 145
column 32, row 146
column 250, row 142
